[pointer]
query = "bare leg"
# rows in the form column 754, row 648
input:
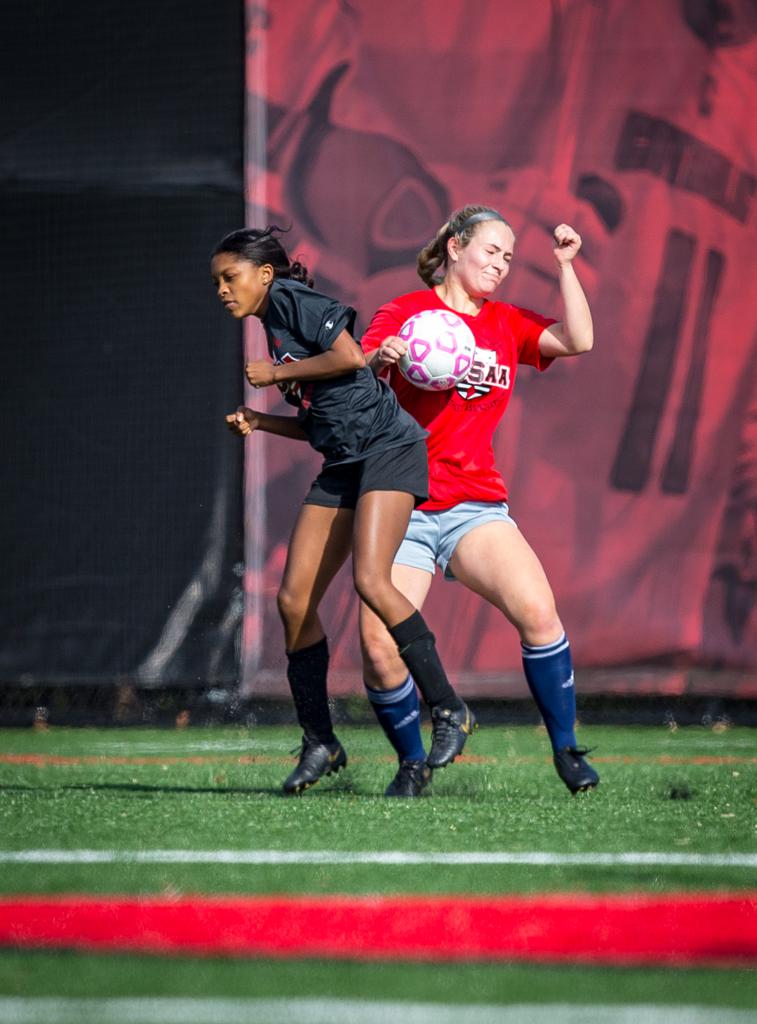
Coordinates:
column 381, row 519
column 319, row 545
column 383, row 669
column 318, row 548
column 496, row 561
column 379, row 528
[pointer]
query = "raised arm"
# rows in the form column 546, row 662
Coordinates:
column 344, row 356
column 574, row 334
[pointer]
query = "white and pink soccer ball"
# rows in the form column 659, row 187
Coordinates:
column 440, row 349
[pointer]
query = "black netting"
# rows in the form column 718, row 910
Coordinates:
column 120, row 166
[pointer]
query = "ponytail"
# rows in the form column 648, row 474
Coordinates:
column 259, row 246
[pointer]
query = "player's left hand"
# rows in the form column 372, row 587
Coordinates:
column 568, row 243
column 243, row 421
column 259, row 373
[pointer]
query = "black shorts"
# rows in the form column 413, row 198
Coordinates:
column 398, row 469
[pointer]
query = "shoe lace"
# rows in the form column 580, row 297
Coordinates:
column 304, row 747
column 411, row 769
column 442, row 725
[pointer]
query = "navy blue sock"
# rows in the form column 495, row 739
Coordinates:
column 398, row 713
column 549, row 671
column 307, row 672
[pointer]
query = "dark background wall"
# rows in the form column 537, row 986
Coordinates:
column 120, row 166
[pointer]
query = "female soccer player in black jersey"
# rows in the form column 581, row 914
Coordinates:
column 375, row 471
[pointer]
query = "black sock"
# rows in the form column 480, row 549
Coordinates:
column 307, row 673
column 417, row 647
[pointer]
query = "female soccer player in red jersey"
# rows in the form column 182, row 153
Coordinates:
column 375, row 470
column 464, row 527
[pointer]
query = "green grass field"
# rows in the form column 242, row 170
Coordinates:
column 690, row 791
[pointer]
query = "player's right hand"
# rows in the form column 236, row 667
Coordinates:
column 243, row 421
column 391, row 350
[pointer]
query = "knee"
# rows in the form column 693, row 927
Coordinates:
column 539, row 622
column 382, row 666
column 292, row 606
column 371, row 585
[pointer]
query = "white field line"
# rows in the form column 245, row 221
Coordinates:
column 167, row 1010
column 390, row 857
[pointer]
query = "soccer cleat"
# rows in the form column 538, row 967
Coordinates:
column 316, row 760
column 449, row 731
column 411, row 779
column 574, row 771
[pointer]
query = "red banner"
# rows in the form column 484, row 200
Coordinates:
column 632, row 470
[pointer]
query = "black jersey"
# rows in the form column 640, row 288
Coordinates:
column 345, row 418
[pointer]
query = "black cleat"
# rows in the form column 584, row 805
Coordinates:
column 411, row 779
column 316, row 760
column 574, row 771
column 449, row 731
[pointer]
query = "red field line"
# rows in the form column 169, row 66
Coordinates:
column 681, row 929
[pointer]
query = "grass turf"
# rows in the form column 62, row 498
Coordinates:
column 78, row 975
column 689, row 790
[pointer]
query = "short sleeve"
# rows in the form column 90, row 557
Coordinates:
column 385, row 323
column 527, row 328
column 333, row 318
column 316, row 318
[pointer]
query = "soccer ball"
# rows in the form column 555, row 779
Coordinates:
column 440, row 349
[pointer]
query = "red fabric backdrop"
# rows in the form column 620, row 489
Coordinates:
column 631, row 470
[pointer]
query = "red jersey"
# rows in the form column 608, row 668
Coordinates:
column 461, row 422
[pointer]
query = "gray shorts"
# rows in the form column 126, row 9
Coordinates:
column 432, row 537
